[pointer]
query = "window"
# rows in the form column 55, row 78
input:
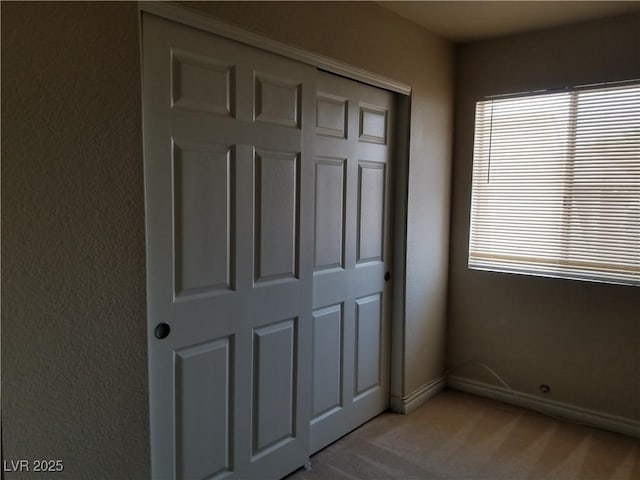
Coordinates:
column 556, row 184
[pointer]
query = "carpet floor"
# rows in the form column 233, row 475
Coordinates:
column 460, row 436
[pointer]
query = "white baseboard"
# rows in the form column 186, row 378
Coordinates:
column 409, row 403
column 584, row 416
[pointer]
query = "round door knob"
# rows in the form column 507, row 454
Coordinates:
column 387, row 277
column 162, row 330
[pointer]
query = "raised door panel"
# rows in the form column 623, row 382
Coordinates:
column 327, row 361
column 203, row 213
column 368, row 348
column 277, row 100
column 331, row 115
column 203, row 409
column 202, row 83
column 371, row 186
column 276, row 229
column 274, row 379
column 373, row 124
column 329, row 213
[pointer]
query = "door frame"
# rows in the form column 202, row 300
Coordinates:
column 403, row 91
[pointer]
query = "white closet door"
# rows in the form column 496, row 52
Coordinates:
column 352, row 256
column 228, row 185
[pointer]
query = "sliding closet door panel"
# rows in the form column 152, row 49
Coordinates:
column 229, row 182
column 351, row 299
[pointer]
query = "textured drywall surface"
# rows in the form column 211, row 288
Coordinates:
column 74, row 376
column 368, row 36
column 581, row 338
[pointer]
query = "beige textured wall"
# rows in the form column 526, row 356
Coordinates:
column 583, row 339
column 74, row 375
column 370, row 37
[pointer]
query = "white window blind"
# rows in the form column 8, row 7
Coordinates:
column 556, row 185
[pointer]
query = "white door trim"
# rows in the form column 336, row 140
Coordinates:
column 201, row 21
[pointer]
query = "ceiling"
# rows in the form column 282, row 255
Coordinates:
column 468, row 21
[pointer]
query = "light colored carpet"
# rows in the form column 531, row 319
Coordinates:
column 460, row 436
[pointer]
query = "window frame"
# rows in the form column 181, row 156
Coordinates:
column 556, row 267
